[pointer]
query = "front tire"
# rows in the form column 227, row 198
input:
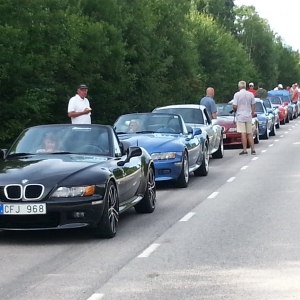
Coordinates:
column 220, row 152
column 107, row 227
column 273, row 131
column 147, row 204
column 183, row 179
column 203, row 169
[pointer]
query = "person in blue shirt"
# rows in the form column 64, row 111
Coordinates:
column 209, row 102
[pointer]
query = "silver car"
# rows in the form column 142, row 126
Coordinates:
column 197, row 116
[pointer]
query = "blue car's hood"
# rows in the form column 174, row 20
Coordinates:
column 156, row 142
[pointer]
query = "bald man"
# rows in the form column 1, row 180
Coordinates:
column 209, row 102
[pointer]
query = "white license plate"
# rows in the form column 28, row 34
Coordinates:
column 224, row 136
column 23, row 209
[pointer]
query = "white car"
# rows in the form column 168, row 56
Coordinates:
column 196, row 116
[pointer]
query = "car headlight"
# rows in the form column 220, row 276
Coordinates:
column 77, row 191
column 232, row 129
column 163, row 155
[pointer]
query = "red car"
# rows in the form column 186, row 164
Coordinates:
column 226, row 118
column 282, row 107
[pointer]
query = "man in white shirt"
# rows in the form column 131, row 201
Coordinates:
column 79, row 107
column 244, row 106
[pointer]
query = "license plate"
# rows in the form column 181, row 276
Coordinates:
column 224, row 136
column 23, row 209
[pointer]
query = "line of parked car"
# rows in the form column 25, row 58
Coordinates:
column 64, row 176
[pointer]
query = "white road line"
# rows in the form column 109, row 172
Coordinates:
column 276, row 140
column 293, row 126
column 271, row 145
column 290, row 129
column 231, row 179
column 298, row 143
column 282, row 136
column 286, row 132
column 255, row 158
column 147, row 252
column 187, row 217
column 244, row 167
column 263, row 151
column 96, row 296
column 213, row 195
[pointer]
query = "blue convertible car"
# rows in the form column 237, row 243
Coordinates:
column 176, row 149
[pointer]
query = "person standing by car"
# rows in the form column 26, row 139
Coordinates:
column 261, row 92
column 244, row 106
column 209, row 102
column 295, row 94
column 79, row 107
column 251, row 88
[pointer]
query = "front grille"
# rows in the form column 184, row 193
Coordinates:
column 49, row 220
column 33, row 192
column 15, row 192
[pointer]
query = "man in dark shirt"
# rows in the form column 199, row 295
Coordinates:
column 261, row 92
column 209, row 102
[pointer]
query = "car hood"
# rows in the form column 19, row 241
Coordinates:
column 155, row 142
column 45, row 168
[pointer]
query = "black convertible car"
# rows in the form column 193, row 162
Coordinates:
column 67, row 176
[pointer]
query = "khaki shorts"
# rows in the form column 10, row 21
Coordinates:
column 244, row 127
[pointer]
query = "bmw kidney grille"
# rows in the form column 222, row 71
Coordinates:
column 28, row 192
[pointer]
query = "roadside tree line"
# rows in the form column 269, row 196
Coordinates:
column 133, row 54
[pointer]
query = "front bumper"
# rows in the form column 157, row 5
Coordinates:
column 167, row 169
column 59, row 215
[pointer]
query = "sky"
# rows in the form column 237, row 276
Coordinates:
column 284, row 18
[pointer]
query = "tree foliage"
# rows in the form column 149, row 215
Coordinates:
column 133, row 54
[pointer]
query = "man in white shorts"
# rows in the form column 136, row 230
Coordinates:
column 244, row 106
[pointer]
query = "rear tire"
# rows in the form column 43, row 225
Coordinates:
column 107, row 227
column 273, row 131
column 147, row 204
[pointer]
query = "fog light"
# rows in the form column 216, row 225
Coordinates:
column 78, row 214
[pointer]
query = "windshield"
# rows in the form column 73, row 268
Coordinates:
column 275, row 100
column 267, row 103
column 63, row 138
column 259, row 107
column 189, row 115
column 150, row 123
column 224, row 109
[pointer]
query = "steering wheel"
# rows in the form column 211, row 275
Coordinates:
column 92, row 148
column 166, row 130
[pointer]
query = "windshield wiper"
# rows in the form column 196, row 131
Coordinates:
column 121, row 132
column 145, row 131
column 60, row 152
column 19, row 154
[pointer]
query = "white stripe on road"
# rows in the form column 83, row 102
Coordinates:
column 276, row 140
column 147, row 252
column 286, row 132
column 213, row 195
column 255, row 158
column 187, row 217
column 231, row 179
column 271, row 145
column 290, row 129
column 96, row 296
column 281, row 136
column 244, row 167
column 263, row 151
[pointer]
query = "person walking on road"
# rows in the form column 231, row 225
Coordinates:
column 209, row 102
column 79, row 107
column 244, row 106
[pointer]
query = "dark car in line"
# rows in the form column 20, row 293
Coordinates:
column 71, row 176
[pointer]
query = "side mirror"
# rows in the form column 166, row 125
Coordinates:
column 3, row 153
column 196, row 131
column 132, row 152
column 189, row 129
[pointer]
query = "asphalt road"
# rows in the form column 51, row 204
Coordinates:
column 231, row 235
